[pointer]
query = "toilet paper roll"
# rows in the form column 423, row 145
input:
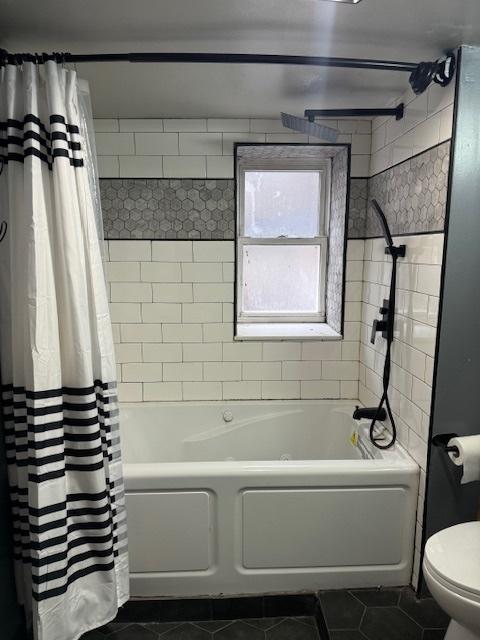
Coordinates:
column 469, row 456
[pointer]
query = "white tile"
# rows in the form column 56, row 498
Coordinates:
column 180, row 371
column 131, row 292
column 129, row 392
column 222, row 371
column 108, row 166
column 202, row 312
column 161, row 312
column 116, row 333
column 202, row 390
column 361, row 144
column 227, row 312
column 413, row 361
column 105, row 125
column 439, row 97
column 423, row 338
column 353, row 292
column 228, row 124
column 428, row 280
column 159, row 352
column 228, row 270
column 262, row 371
column 278, row 351
column 122, row 271
column 238, row 351
column 204, row 144
column 156, row 144
column 332, row 370
column 417, row 448
column 242, row 390
column 446, row 124
column 433, row 307
column 349, row 126
column 318, row 389
column 355, row 249
column 209, row 352
column 130, row 250
column 354, row 271
column 125, row 312
column 263, row 125
column 182, row 332
column 218, row 332
column 429, row 364
column 142, row 372
column 350, row 350
column 322, row 350
column 184, row 167
column 141, row 167
column 115, row 144
column 212, row 292
column 349, row 389
column 172, row 250
column 427, row 134
column 229, row 140
column 162, row 391
column 128, row 353
column 421, row 395
column 219, row 167
column 360, row 166
column 287, row 137
column 379, row 138
column 185, row 124
column 214, row 251
column 202, row 272
column 415, row 112
column 172, row 292
column 160, row 271
column 141, row 124
column 141, row 332
column 280, row 390
column 302, row 370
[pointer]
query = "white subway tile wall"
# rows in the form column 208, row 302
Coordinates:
column 202, row 148
column 414, row 347
column 172, row 308
column 428, row 121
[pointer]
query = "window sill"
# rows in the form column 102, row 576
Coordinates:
column 286, row 331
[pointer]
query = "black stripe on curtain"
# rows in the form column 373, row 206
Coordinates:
column 58, row 140
column 83, row 533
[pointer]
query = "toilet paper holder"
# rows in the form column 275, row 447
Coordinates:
column 442, row 439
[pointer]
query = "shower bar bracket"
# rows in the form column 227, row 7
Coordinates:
column 397, row 111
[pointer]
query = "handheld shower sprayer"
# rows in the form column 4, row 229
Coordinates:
column 386, row 326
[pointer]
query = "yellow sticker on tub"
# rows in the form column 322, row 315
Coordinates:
column 354, row 438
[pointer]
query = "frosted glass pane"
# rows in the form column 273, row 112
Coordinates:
column 282, row 203
column 281, row 279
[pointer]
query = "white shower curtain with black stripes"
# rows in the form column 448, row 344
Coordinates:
column 57, row 362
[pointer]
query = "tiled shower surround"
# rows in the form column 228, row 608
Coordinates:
column 172, row 299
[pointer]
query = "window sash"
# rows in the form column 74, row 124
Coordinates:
column 243, row 316
column 285, row 164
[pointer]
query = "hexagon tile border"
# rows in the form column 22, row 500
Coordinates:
column 413, row 195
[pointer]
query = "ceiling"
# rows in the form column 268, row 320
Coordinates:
column 410, row 30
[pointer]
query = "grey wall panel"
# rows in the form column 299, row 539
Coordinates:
column 455, row 405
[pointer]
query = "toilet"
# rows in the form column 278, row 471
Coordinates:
column 451, row 567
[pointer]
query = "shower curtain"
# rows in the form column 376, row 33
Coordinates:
column 57, row 362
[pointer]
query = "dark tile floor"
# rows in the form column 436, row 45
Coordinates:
column 303, row 628
column 356, row 614
column 382, row 614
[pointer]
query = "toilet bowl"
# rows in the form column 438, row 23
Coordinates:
column 451, row 567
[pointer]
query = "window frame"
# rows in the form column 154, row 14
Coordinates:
column 323, row 167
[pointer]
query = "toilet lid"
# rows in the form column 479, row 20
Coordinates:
column 454, row 554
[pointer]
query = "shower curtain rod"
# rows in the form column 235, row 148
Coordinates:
column 215, row 58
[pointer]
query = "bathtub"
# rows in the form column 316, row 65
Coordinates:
column 263, row 497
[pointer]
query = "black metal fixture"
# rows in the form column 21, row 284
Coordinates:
column 441, row 72
column 386, row 326
column 369, row 413
column 397, row 111
column 441, row 441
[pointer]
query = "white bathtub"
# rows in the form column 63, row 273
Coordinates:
column 279, row 499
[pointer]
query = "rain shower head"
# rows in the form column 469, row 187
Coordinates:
column 303, row 125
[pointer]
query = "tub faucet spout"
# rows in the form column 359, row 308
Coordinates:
column 369, row 413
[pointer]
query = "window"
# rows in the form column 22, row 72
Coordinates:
column 282, row 240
